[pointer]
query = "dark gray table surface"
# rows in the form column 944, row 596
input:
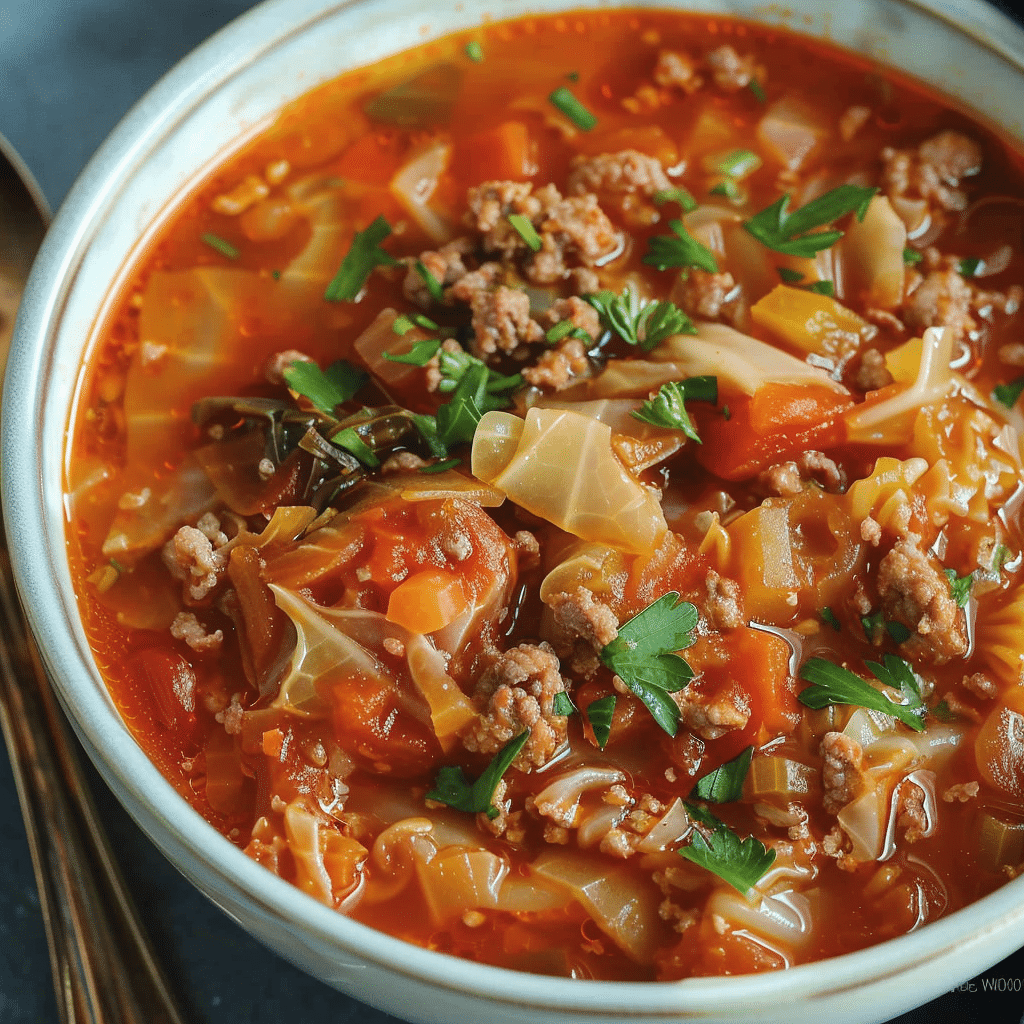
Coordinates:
column 69, row 69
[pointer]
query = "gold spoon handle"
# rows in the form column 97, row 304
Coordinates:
column 104, row 969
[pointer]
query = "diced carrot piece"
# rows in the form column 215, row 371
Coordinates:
column 502, row 153
column 760, row 662
column 273, row 743
column 779, row 422
column 428, row 600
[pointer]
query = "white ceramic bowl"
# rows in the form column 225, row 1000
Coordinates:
column 217, row 97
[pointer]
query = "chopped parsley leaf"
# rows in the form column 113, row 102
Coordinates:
column 833, row 684
column 564, row 101
column 404, row 323
column 680, row 249
column 418, row 355
column 526, row 231
column 911, row 256
column 829, row 616
column 454, row 789
column 789, row 275
column 758, row 90
column 433, row 285
column 599, row 715
column 972, row 266
column 897, row 632
column 328, row 388
column 644, row 656
column 822, row 288
column 225, row 248
column 638, row 323
column 959, row 586
column 440, row 467
column 741, row 863
column 678, row 194
column 563, row 329
column 791, row 233
column 725, row 783
column 474, row 51
column 1007, row 394
column 668, row 409
column 562, row 704
column 351, row 442
column 362, row 257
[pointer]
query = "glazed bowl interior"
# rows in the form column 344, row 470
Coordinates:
column 204, row 109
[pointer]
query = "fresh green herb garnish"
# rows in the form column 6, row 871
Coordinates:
column 573, row 76
column 453, row 788
column 474, row 51
column 644, row 655
column 726, row 413
column 433, row 285
column 363, row 255
column 728, row 189
column 789, row 232
column 440, row 467
column 599, row 715
column 276, row 275
column 351, row 442
column 741, row 863
column 970, row 267
column 564, row 100
column 898, row 632
column 959, row 586
column 911, row 256
column 871, row 624
column 563, row 329
column 405, row 322
column 943, row 712
column 419, row 354
column 737, row 163
column 1000, row 557
column 562, row 704
column 680, row 249
column 223, row 247
column 668, row 407
column 525, row 229
column 833, row 684
column 678, row 194
column 758, row 90
column 639, row 323
column 822, row 288
column 829, row 616
column 1007, row 394
column 328, row 388
column 789, row 275
column 725, row 783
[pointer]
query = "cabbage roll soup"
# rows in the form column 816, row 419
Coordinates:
column 554, row 496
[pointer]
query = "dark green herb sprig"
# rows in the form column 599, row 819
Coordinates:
column 362, row 257
column 725, row 783
column 644, row 656
column 1007, row 394
column 640, row 323
column 668, row 407
column 833, row 684
column 326, row 389
column 680, row 249
column 599, row 715
column 740, row 862
column 959, row 586
column 793, row 233
column 455, row 790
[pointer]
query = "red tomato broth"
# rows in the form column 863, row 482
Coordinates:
column 308, row 786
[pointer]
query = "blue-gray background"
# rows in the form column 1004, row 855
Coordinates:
column 69, row 69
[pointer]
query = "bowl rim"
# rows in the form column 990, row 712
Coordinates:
column 166, row 817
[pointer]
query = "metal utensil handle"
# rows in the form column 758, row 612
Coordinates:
column 104, row 969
